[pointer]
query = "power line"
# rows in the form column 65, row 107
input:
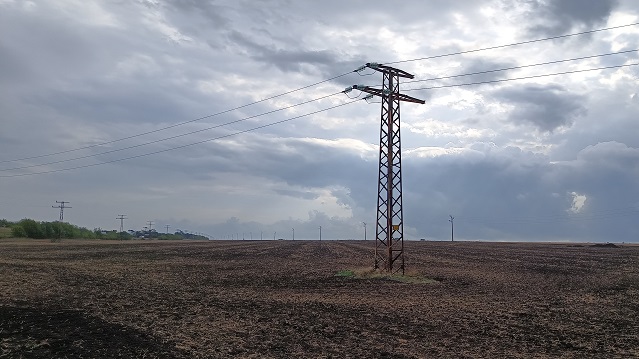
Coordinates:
column 300, row 116
column 181, row 123
column 169, row 138
column 513, row 44
column 274, row 123
column 521, row 66
column 520, row 78
column 308, row 86
column 182, row 146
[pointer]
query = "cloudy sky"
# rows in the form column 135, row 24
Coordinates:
column 153, row 109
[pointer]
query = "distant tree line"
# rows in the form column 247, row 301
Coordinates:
column 29, row 228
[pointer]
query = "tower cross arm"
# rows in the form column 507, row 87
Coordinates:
column 383, row 93
column 389, row 69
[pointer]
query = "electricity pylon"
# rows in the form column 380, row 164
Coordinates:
column 62, row 206
column 389, row 243
column 121, row 217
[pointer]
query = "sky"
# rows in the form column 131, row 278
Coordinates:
column 227, row 117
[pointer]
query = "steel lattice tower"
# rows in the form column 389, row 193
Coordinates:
column 389, row 243
column 62, row 206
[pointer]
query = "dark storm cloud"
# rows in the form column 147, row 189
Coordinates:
column 288, row 61
column 326, row 62
column 207, row 9
column 294, row 161
column 301, row 164
column 547, row 107
column 560, row 16
column 457, row 185
column 198, row 19
column 529, row 195
column 285, row 60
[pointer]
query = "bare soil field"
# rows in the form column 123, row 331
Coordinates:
column 283, row 299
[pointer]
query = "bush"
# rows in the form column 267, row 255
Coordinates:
column 18, row 231
column 39, row 230
column 31, row 228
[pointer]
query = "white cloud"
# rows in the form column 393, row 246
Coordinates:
column 578, row 202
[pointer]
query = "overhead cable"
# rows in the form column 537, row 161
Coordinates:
column 179, row 147
column 168, row 138
column 519, row 78
column 177, row 124
column 510, row 45
column 519, row 67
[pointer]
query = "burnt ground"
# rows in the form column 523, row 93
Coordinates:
column 282, row 299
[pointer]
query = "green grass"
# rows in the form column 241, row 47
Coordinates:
column 345, row 273
column 5, row 232
column 411, row 278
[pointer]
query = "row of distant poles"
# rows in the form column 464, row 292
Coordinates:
column 121, row 217
column 237, row 236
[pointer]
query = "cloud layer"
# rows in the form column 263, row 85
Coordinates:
column 543, row 158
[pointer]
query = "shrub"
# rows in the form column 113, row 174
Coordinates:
column 32, row 229
column 18, row 231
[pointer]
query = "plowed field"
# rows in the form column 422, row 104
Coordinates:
column 282, row 299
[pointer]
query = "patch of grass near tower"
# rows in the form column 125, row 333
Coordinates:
column 411, row 277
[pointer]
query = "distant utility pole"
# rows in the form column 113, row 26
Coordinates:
column 150, row 225
column 121, row 217
column 320, row 228
column 274, row 233
column 452, row 227
column 261, row 238
column 61, row 205
column 251, row 235
column 389, row 244
column 364, row 230
column 167, row 228
column 293, row 233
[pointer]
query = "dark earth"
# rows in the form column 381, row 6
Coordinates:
column 284, row 299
